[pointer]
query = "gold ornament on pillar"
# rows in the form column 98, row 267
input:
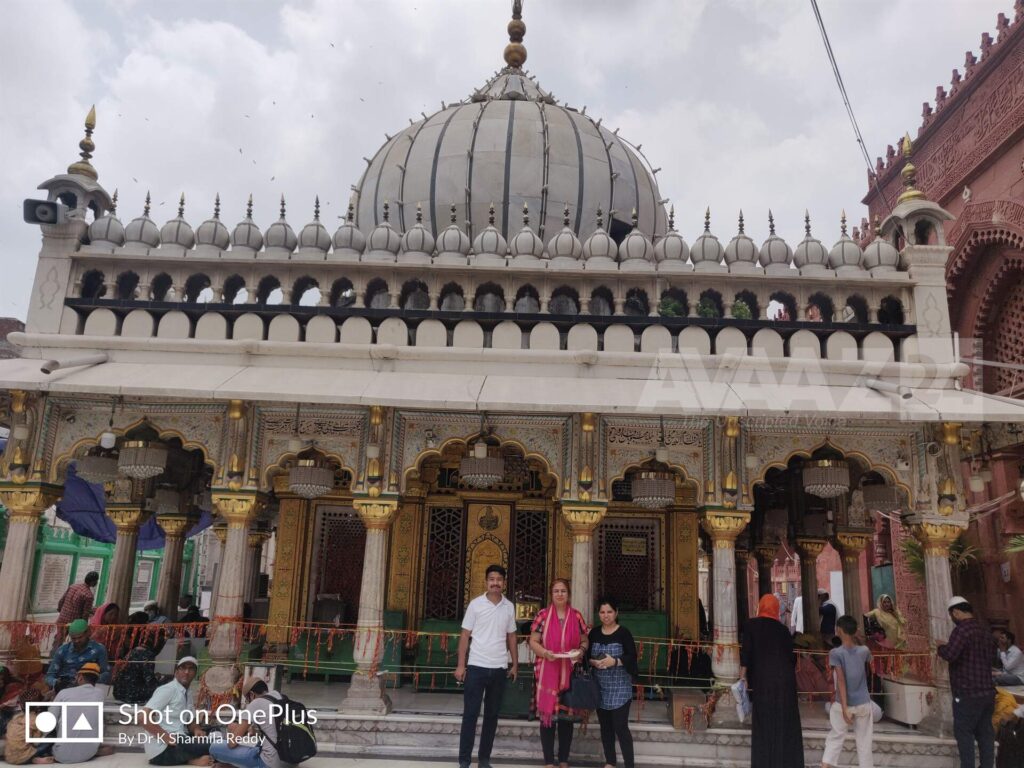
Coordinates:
column 236, row 473
column 127, row 518
column 724, row 525
column 810, row 548
column 376, row 513
column 174, row 526
column 26, row 503
column 852, row 544
column 238, row 508
column 19, row 400
column 936, row 538
column 947, row 497
column 236, row 409
column 583, row 519
column 951, row 432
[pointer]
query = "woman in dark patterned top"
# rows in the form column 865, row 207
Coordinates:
column 613, row 656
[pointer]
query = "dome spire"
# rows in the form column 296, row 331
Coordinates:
column 565, row 215
column 387, row 212
column 707, row 219
column 672, row 218
column 145, row 208
column 113, row 204
column 526, row 215
column 83, row 167
column 350, row 215
column 741, row 221
column 216, row 207
column 181, row 206
column 807, row 222
column 282, row 208
column 490, row 215
column 771, row 222
column 515, row 51
column 842, row 223
column 316, row 208
column 451, row 213
column 419, row 213
column 909, row 174
column 600, row 218
column 248, row 208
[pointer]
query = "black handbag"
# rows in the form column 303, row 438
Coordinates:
column 584, row 692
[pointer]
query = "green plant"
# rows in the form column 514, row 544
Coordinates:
column 706, row 308
column 741, row 310
column 669, row 307
column 1015, row 544
column 961, row 555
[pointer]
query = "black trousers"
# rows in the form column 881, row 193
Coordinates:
column 972, row 721
column 547, row 741
column 487, row 686
column 615, row 725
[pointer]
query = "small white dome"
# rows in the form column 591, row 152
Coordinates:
column 706, row 248
column 526, row 242
column 453, row 240
column 880, row 255
column 671, row 247
column 809, row 252
column 212, row 231
column 247, row 234
column 600, row 244
column 108, row 228
column 845, row 253
column 384, row 237
column 741, row 248
column 143, row 230
column 314, row 235
column 636, row 245
column 490, row 239
column 348, row 237
column 418, row 239
column 280, row 234
column 177, row 231
column 774, row 250
column 565, row 244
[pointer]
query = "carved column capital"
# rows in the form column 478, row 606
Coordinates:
column 936, row 538
column 174, row 526
column 851, row 543
column 26, row 502
column 127, row 517
column 238, row 508
column 221, row 532
column 810, row 547
column 376, row 512
column 724, row 525
column 258, row 538
column 766, row 552
column 583, row 518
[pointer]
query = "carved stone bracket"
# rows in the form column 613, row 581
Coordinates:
column 127, row 517
column 810, row 547
column 376, row 512
column 27, row 502
column 258, row 538
column 724, row 525
column 238, row 508
column 583, row 518
column 174, row 525
column 936, row 538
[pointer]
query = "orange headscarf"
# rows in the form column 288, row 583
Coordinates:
column 768, row 607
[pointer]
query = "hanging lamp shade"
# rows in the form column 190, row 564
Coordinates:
column 653, row 489
column 481, row 470
column 142, row 459
column 826, row 478
column 310, row 479
column 97, row 468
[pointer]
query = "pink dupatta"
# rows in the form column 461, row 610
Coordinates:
column 553, row 677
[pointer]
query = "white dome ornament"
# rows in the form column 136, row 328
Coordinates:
column 636, row 251
column 247, row 237
column 671, row 252
column 177, row 234
column 880, row 256
column 212, row 236
column 741, row 254
column 417, row 243
column 280, row 238
column 706, row 252
column 600, row 250
column 565, row 249
column 489, row 248
column 846, row 257
column 314, row 242
column 526, row 248
column 383, row 242
column 775, row 253
column 810, row 255
column 452, row 243
column 107, row 230
column 349, row 242
column 142, row 232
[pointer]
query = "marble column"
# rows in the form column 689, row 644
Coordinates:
column 742, row 591
column 583, row 519
column 25, row 504
column 128, row 518
column 220, row 535
column 254, row 555
column 366, row 691
column 168, row 585
column 723, row 526
column 850, row 545
column 239, row 509
column 936, row 539
column 809, row 548
column 765, row 560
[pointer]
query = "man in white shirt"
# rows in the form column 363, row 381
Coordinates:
column 798, row 615
column 175, row 739
column 84, row 690
column 490, row 622
column 1011, row 658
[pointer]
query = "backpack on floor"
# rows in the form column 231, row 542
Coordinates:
column 296, row 741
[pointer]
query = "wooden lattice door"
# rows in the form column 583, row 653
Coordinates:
column 444, row 563
column 342, row 546
column 628, row 552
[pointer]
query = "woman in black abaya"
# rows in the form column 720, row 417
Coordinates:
column 767, row 664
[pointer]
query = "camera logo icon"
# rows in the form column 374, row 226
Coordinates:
column 65, row 722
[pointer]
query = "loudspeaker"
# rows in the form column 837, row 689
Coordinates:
column 43, row 212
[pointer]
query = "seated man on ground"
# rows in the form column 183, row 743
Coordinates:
column 1010, row 659
column 84, row 690
column 252, row 746
column 171, row 741
column 79, row 649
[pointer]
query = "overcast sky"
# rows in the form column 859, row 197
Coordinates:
column 733, row 99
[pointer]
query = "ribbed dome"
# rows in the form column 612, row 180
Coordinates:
column 212, row 232
column 706, row 249
column 142, row 230
column 741, row 249
column 314, row 235
column 636, row 246
column 418, row 239
column 247, row 234
column 845, row 253
column 526, row 242
column 384, row 239
column 880, row 255
column 108, row 228
column 774, row 250
column 280, row 234
column 347, row 238
column 671, row 247
column 177, row 231
column 511, row 144
column 810, row 252
column 565, row 245
column 490, row 240
column 600, row 244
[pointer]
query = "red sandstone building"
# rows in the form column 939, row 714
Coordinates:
column 969, row 154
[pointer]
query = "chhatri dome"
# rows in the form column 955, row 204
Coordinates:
column 512, row 144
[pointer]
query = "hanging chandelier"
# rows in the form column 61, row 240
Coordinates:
column 142, row 459
column 653, row 489
column 165, row 501
column 481, row 470
column 100, row 467
column 826, row 478
column 310, row 479
column 880, row 498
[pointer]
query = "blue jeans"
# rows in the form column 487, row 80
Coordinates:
column 972, row 720
column 482, row 685
column 239, row 755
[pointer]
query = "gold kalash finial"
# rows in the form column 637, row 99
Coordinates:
column 909, row 174
column 515, row 51
column 83, row 167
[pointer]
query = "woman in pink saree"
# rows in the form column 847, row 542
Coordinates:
column 558, row 638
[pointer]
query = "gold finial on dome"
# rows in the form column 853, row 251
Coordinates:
column 515, row 51
column 83, row 167
column 909, row 174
